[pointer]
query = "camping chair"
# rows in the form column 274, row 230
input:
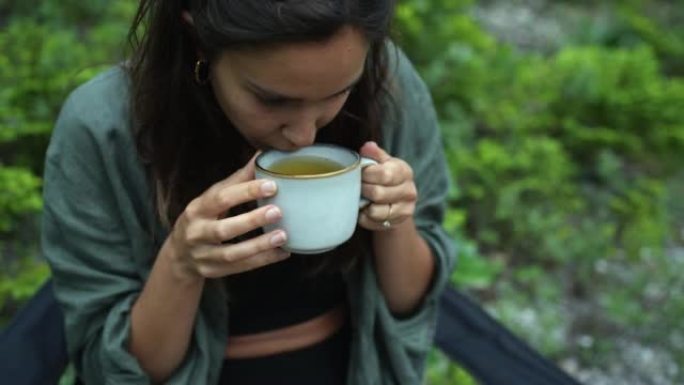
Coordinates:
column 33, row 349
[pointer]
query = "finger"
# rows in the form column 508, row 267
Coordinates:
column 218, row 269
column 383, row 212
column 390, row 173
column 195, row 232
column 217, row 201
column 244, row 174
column 373, row 151
column 398, row 216
column 217, row 231
column 388, row 194
column 369, row 224
column 245, row 249
column 379, row 212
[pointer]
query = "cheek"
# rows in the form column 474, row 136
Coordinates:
column 240, row 108
column 254, row 122
column 246, row 114
column 332, row 110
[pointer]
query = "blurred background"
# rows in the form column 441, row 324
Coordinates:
column 564, row 128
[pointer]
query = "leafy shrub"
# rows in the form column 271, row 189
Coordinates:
column 563, row 165
column 46, row 49
column 567, row 166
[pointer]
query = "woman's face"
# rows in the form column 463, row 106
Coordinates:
column 280, row 96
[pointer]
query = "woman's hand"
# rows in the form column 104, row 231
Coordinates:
column 198, row 239
column 389, row 186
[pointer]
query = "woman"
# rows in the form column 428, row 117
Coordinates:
column 150, row 224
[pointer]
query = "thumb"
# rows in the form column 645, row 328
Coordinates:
column 373, row 151
column 246, row 173
column 250, row 166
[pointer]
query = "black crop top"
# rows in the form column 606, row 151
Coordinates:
column 281, row 294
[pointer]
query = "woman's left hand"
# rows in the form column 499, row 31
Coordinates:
column 390, row 188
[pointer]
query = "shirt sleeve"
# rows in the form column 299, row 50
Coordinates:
column 85, row 242
column 415, row 137
column 97, row 245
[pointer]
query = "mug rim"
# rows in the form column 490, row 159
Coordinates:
column 312, row 176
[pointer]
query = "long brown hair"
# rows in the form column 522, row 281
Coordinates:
column 182, row 135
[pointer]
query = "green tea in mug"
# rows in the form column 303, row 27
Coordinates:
column 305, row 165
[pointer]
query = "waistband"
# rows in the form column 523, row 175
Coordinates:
column 288, row 338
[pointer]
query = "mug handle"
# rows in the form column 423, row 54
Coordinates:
column 365, row 162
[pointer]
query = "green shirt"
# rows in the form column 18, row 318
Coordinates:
column 96, row 236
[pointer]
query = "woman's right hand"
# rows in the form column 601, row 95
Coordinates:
column 198, row 240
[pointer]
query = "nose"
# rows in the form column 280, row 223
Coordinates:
column 302, row 131
column 300, row 136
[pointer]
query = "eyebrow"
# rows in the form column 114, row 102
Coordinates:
column 265, row 92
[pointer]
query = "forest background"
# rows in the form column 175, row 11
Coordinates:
column 563, row 123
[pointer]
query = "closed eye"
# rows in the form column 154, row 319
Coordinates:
column 279, row 101
column 274, row 101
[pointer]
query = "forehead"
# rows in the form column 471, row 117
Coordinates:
column 303, row 69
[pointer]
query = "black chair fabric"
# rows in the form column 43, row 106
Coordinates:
column 32, row 347
column 33, row 350
column 487, row 349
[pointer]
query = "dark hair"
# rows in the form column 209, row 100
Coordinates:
column 183, row 137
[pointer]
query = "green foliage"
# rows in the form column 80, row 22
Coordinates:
column 69, row 376
column 36, row 74
column 18, row 196
column 540, row 318
column 441, row 371
column 656, row 23
column 19, row 283
column 20, row 274
column 563, row 165
column 568, row 165
column 46, row 49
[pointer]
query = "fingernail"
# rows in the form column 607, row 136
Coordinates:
column 273, row 214
column 282, row 254
column 268, row 187
column 278, row 238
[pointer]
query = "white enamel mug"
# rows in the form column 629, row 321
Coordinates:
column 320, row 211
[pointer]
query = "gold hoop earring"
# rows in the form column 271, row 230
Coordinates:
column 201, row 72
